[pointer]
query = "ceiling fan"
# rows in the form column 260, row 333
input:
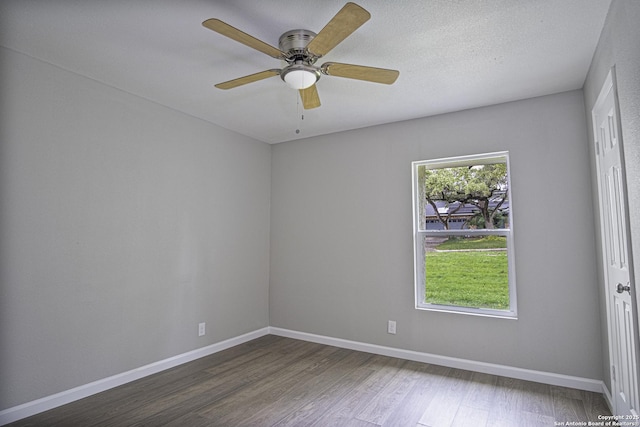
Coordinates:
column 300, row 49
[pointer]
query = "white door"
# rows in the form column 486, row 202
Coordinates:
column 621, row 310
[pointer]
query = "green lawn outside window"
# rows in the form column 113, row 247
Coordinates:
column 472, row 274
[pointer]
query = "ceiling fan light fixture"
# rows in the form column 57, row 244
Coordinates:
column 300, row 76
column 300, row 49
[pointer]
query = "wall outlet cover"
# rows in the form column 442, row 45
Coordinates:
column 391, row 327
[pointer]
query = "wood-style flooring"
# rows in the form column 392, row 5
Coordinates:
column 276, row 381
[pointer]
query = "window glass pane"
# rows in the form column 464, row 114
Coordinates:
column 465, row 197
column 467, row 271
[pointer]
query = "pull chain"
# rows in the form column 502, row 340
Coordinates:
column 300, row 115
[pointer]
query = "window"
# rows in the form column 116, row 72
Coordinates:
column 463, row 243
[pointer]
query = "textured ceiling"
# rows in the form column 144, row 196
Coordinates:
column 451, row 54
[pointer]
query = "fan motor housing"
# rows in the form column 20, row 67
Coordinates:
column 294, row 43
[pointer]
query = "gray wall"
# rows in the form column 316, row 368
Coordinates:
column 123, row 224
column 619, row 46
column 341, row 236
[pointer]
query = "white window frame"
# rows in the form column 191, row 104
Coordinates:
column 419, row 232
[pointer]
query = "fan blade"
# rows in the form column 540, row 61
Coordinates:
column 360, row 72
column 346, row 21
column 248, row 79
column 310, row 98
column 233, row 33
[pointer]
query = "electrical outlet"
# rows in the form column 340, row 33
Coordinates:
column 391, row 327
column 201, row 329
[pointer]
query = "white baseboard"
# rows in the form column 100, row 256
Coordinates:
column 451, row 362
column 49, row 402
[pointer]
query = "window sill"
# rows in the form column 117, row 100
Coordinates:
column 498, row 314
